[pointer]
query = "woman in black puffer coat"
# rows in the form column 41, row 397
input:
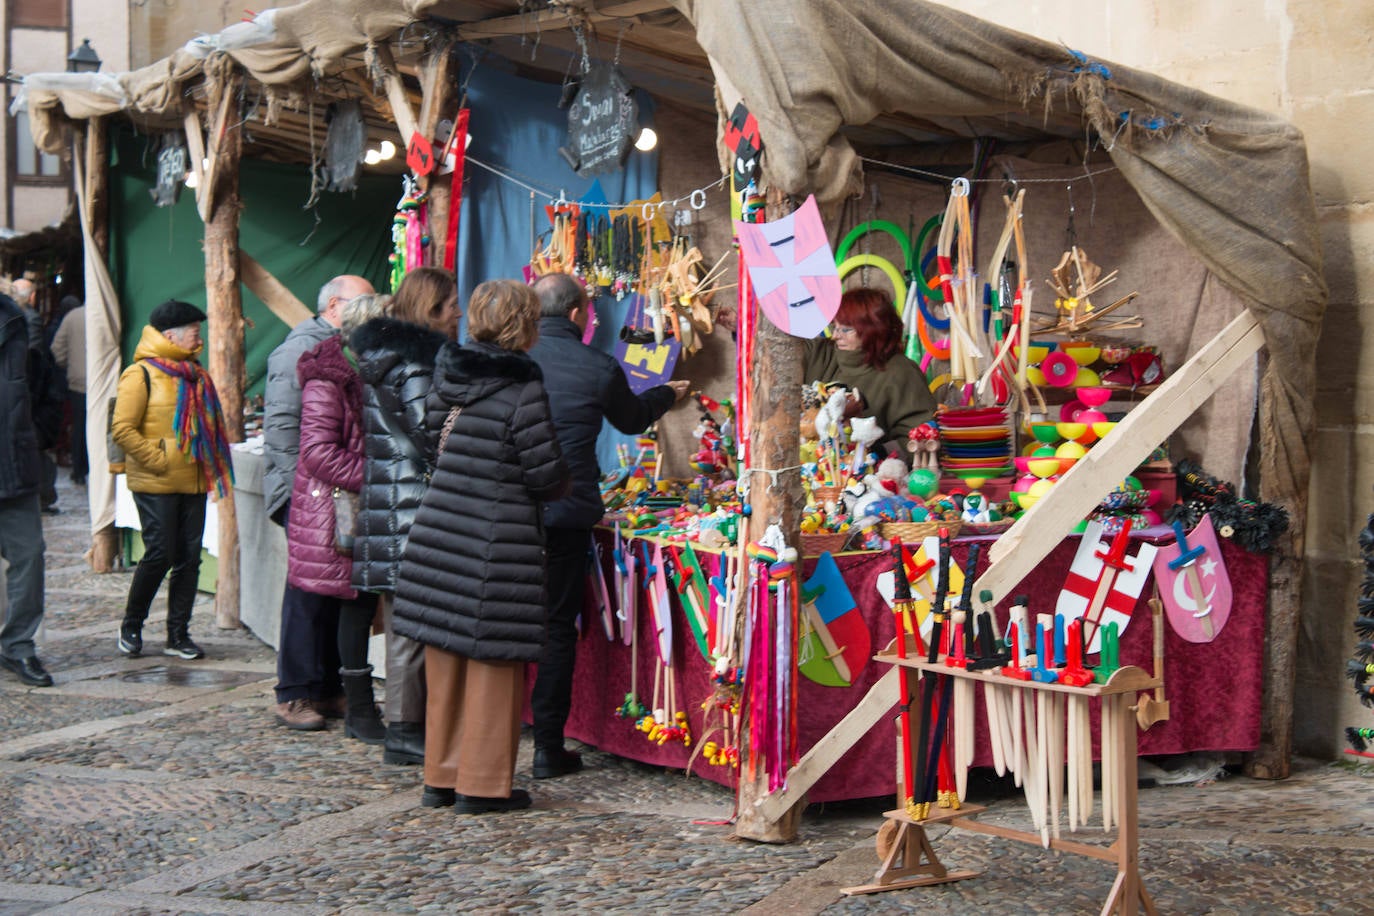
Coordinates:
column 396, row 355
column 471, row 586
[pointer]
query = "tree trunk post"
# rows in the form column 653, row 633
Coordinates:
column 436, row 87
column 776, row 389
column 224, row 300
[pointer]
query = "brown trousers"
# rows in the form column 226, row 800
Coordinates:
column 472, row 723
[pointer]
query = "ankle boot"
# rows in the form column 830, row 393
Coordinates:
column 405, row 743
column 361, row 719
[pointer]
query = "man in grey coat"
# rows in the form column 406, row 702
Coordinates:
column 281, row 432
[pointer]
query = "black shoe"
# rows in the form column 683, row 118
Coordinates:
column 436, row 797
column 550, row 762
column 476, row 804
column 130, row 641
column 404, row 744
column 51, row 509
column 182, row 647
column 30, row 670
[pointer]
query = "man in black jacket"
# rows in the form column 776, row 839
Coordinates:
column 21, row 524
column 585, row 386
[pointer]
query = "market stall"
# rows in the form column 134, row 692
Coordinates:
column 911, row 86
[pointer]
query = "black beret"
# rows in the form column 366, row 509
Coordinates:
column 174, row 314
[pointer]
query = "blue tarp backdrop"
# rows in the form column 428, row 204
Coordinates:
column 517, row 127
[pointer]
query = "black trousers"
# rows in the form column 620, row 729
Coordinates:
column 173, row 525
column 319, row 635
column 81, row 462
column 550, row 701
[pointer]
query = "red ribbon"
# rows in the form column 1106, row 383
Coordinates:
column 459, row 145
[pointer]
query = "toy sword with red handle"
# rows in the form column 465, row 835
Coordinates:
column 901, row 606
column 1114, row 561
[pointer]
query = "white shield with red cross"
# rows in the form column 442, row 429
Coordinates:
column 1103, row 584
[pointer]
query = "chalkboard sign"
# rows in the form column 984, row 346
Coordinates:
column 603, row 120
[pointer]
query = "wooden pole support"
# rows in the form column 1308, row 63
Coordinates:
column 776, row 381
column 224, row 301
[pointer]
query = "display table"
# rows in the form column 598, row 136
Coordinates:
column 1213, row 689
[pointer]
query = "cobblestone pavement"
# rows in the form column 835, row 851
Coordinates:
column 156, row 785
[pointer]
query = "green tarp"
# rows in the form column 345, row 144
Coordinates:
column 156, row 254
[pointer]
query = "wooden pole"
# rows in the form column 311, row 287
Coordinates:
column 93, row 144
column 436, row 87
column 776, row 388
column 224, row 301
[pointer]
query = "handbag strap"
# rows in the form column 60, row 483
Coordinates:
column 390, row 414
column 446, row 429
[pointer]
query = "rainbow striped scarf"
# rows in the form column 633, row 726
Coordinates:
column 199, row 422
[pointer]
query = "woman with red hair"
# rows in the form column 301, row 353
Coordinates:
column 864, row 354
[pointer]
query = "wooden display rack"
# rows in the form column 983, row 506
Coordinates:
column 909, row 860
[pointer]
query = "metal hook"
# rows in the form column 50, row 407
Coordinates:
column 698, row 203
column 647, row 211
column 959, row 187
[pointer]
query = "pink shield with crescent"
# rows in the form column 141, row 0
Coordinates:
column 792, row 270
column 1101, row 586
column 1193, row 583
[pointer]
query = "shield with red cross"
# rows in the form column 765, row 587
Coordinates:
column 1103, row 583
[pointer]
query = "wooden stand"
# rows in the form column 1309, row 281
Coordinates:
column 908, row 859
column 910, row 853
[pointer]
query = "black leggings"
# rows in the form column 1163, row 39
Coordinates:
column 355, row 628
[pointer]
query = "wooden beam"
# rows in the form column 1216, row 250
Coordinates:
column 224, row 303
column 825, row 753
column 401, row 112
column 1015, row 554
column 436, row 87
column 555, row 18
column 272, row 291
column 776, row 382
column 1057, row 512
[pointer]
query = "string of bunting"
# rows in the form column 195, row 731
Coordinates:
column 695, row 198
column 1086, row 176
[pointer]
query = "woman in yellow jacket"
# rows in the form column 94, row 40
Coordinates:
column 167, row 419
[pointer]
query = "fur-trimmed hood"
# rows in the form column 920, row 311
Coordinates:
column 383, row 343
column 466, row 374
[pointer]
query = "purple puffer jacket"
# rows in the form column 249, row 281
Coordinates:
column 332, row 455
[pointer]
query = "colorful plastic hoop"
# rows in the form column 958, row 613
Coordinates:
column 883, row 264
column 876, row 225
column 926, row 313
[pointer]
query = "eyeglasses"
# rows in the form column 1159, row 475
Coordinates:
column 838, row 329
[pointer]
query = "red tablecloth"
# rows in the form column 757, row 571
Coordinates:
column 1213, row 689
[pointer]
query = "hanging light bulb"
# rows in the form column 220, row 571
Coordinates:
column 647, row 140
column 372, row 157
column 388, row 150
column 191, row 179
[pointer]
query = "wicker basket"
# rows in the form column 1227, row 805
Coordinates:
column 911, row 532
column 813, row 545
column 822, row 496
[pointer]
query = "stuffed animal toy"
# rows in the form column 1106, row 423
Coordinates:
column 891, row 472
